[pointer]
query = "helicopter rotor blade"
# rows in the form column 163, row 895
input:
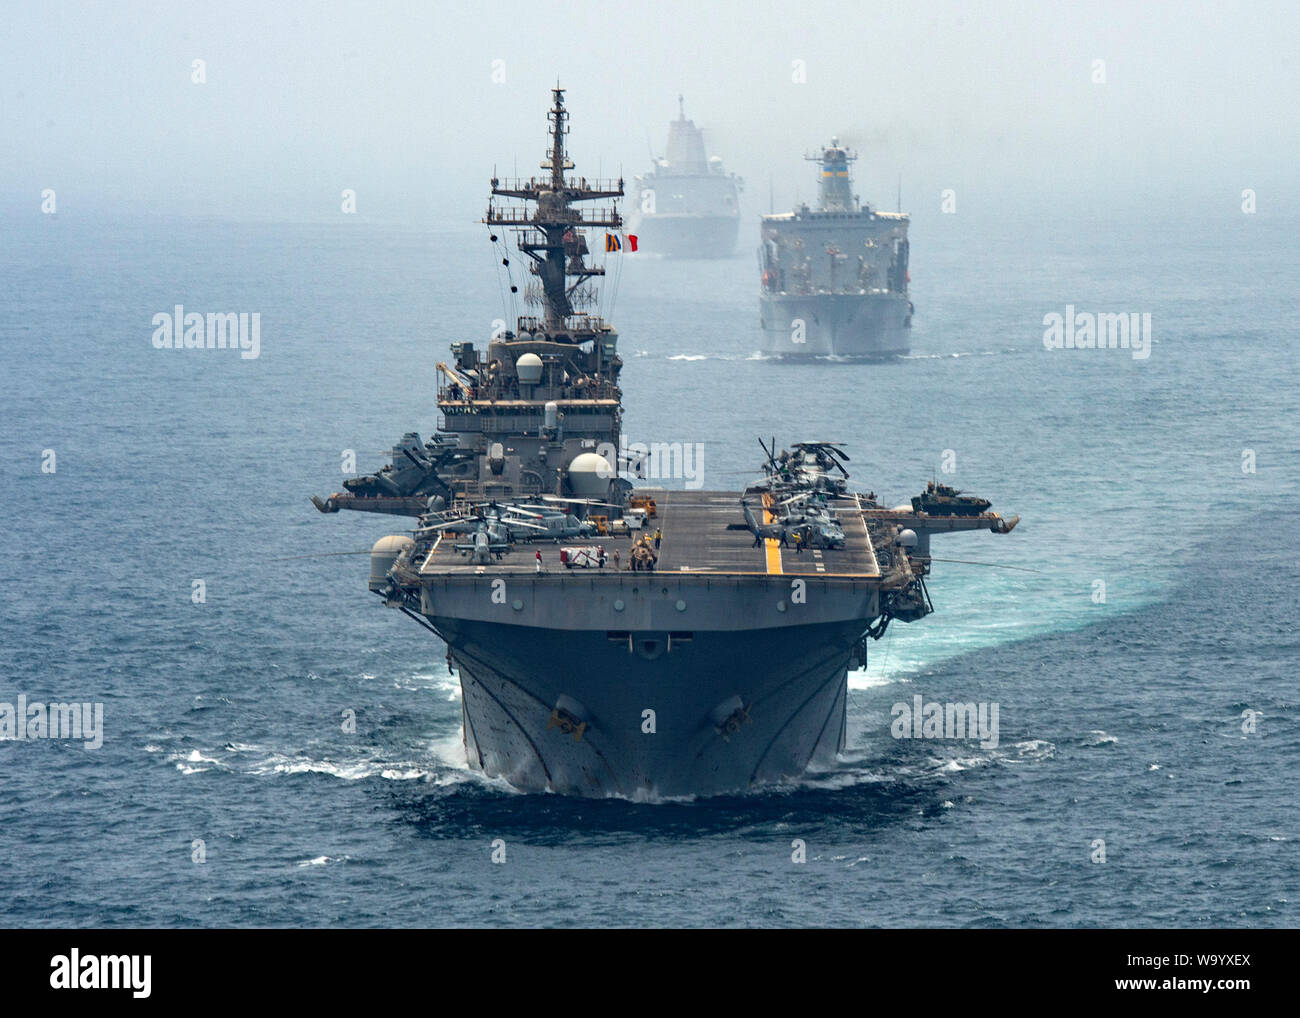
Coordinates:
column 579, row 501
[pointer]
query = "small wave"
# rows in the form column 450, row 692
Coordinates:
column 848, row 774
column 1031, row 750
column 649, row 797
column 193, row 762
column 355, row 770
column 261, row 761
column 322, row 860
column 1097, row 737
column 863, row 679
column 958, row 353
column 449, row 750
column 963, row 764
column 408, row 774
column 1034, row 749
column 438, row 682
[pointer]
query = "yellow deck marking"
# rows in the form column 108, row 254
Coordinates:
column 772, row 547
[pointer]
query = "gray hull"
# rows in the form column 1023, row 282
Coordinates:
column 791, row 681
column 842, row 325
column 687, row 236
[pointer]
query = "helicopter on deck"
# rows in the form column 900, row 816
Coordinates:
column 548, row 519
column 806, row 466
column 481, row 547
column 803, row 518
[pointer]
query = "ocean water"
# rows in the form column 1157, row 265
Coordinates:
column 1120, row 722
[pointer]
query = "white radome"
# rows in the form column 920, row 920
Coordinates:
column 529, row 367
column 590, row 474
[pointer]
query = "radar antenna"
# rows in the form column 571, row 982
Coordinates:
column 551, row 234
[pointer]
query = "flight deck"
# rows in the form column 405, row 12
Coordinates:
column 696, row 539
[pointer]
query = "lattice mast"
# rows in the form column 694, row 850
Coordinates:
column 551, row 234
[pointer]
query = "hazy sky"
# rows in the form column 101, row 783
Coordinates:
column 397, row 101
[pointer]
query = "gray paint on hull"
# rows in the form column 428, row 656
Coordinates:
column 793, row 682
column 840, row 325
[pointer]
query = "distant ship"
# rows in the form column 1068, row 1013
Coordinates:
column 688, row 205
column 834, row 278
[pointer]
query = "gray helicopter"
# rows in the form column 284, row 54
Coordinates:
column 512, row 522
column 414, row 469
column 802, row 518
column 796, row 493
column 763, row 531
column 559, row 519
column 481, row 547
column 807, row 466
column 498, row 525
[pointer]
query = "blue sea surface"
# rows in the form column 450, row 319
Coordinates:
column 1124, row 722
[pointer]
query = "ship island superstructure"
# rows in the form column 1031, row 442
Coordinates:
column 834, row 278
column 688, row 206
column 611, row 640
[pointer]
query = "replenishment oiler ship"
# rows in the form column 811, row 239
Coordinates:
column 611, row 641
column 688, row 206
column 834, row 279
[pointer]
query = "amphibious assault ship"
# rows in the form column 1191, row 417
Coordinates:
column 688, row 205
column 593, row 658
column 834, row 278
